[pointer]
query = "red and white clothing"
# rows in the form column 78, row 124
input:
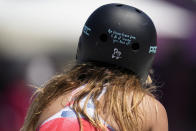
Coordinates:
column 66, row 119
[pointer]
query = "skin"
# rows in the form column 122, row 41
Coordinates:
column 155, row 116
column 54, row 107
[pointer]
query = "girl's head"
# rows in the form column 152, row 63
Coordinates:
column 115, row 51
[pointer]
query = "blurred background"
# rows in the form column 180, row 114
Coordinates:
column 39, row 37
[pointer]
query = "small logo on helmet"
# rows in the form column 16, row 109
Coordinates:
column 153, row 49
column 116, row 55
column 86, row 30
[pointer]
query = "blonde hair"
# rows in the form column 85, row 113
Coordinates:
column 120, row 85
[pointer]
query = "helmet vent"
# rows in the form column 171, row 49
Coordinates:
column 103, row 37
column 137, row 10
column 119, row 5
column 135, row 46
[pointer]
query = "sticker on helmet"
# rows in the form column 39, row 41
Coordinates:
column 153, row 49
column 121, row 38
column 86, row 30
column 116, row 55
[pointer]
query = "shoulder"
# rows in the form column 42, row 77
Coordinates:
column 155, row 115
column 53, row 107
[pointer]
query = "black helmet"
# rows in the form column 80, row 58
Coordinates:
column 121, row 35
